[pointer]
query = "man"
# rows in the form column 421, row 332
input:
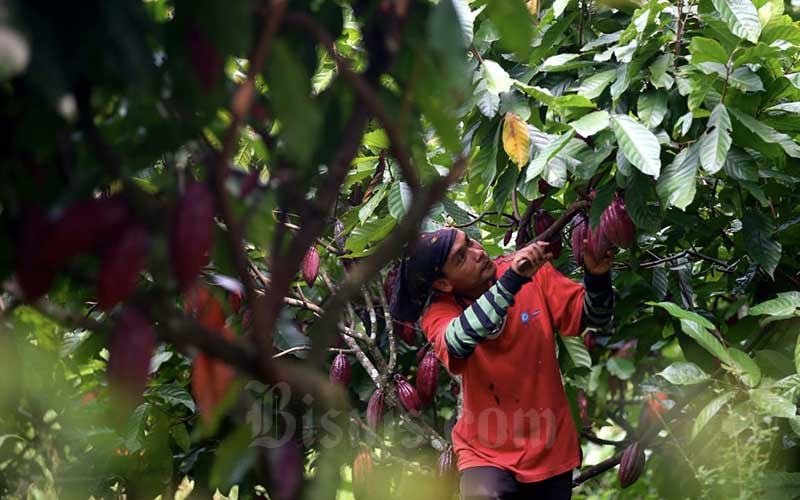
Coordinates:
column 493, row 323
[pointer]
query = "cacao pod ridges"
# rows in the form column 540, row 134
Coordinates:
column 408, row 395
column 375, row 409
column 543, row 220
column 580, row 230
column 340, row 370
column 446, row 466
column 631, row 465
column 363, row 472
column 427, row 378
column 311, row 266
column 616, row 224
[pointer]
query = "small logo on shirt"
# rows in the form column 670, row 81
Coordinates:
column 525, row 316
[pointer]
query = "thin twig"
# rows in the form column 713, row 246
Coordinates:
column 387, row 318
column 300, row 348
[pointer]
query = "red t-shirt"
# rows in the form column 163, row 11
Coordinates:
column 515, row 413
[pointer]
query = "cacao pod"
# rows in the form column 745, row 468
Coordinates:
column 311, row 266
column 81, row 228
column 122, row 262
column 285, row 470
column 363, row 471
column 589, row 341
column 211, row 379
column 508, row 236
column 206, row 60
column 541, row 221
column 205, row 308
column 446, row 467
column 632, row 464
column 192, row 233
column 408, row 395
column 375, row 408
column 653, row 408
column 389, row 282
column 422, row 351
column 598, row 245
column 583, row 408
column 617, row 225
column 130, row 348
column 427, row 378
column 580, row 231
column 34, row 277
column 406, row 331
column 340, row 370
column 249, row 183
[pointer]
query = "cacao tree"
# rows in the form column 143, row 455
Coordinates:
column 203, row 204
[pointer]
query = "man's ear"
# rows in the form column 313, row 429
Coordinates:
column 443, row 285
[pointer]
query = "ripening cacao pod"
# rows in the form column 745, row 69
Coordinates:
column 33, row 276
column 340, row 370
column 192, row 233
column 81, row 228
column 446, row 467
column 375, row 408
column 617, row 225
column 389, row 282
column 130, row 348
column 580, row 227
column 311, row 266
column 285, row 470
column 122, row 262
column 422, row 351
column 200, row 304
column 427, row 378
column 211, row 379
column 207, row 62
column 406, row 331
column 589, row 341
column 408, row 395
column 598, row 245
column 541, row 221
column 653, row 408
column 363, row 472
column 583, row 408
column 631, row 465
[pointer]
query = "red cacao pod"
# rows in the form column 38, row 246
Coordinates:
column 363, row 472
column 580, row 230
column 311, row 266
column 427, row 378
column 211, row 379
column 653, row 408
column 389, row 282
column 206, row 60
column 543, row 220
column 205, row 308
column 583, row 408
column 81, row 228
column 192, row 233
column 235, row 301
column 598, row 245
column 408, row 395
column 122, row 262
column 589, row 341
column 617, row 225
column 446, row 467
column 632, row 464
column 34, row 277
column 340, row 370
column 375, row 409
column 130, row 348
column 285, row 470
column 406, row 331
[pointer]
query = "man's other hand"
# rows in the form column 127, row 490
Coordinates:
column 529, row 259
column 600, row 266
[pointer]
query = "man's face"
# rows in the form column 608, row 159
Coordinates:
column 468, row 270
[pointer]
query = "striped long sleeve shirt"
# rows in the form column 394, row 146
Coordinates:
column 485, row 318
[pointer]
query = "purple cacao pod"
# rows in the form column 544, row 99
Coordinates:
column 580, row 230
column 406, row 332
column 427, row 378
column 340, row 370
column 631, row 465
column 131, row 346
column 34, row 277
column 408, row 395
column 122, row 262
column 286, row 470
column 543, row 220
column 589, row 341
column 598, row 243
column 617, row 225
column 375, row 408
column 446, row 467
column 507, row 236
column 311, row 266
column 583, row 408
column 192, row 233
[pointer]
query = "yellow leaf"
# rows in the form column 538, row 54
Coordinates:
column 533, row 6
column 516, row 140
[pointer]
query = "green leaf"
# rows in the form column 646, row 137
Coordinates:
column 797, row 355
column 497, row 79
column 514, row 24
column 543, row 159
column 677, row 184
column 716, row 142
column 677, row 312
column 465, row 19
column 707, row 50
column 757, row 231
column 658, row 72
column 745, row 80
column 746, row 367
column 562, row 62
column 639, row 193
column 181, row 436
column 233, row 459
column 577, row 351
column 682, row 373
column 372, row 231
column 787, row 107
column 741, row 17
column 174, row 394
column 707, row 413
column 652, row 108
column 542, row 95
column 594, row 85
column 400, row 197
column 488, row 102
column 767, row 133
column 134, row 432
column 622, row 368
column 638, row 144
column 366, row 210
column 376, row 140
column 772, row 404
column 706, row 340
column 785, row 304
column 590, row 124
column 794, row 79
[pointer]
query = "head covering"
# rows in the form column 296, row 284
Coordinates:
column 422, row 264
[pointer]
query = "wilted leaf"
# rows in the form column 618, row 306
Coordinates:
column 516, row 140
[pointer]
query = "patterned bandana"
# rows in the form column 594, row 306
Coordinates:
column 421, row 266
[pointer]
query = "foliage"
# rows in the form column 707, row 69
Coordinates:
column 346, row 128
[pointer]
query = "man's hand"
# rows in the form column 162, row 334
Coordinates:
column 529, row 259
column 600, row 266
